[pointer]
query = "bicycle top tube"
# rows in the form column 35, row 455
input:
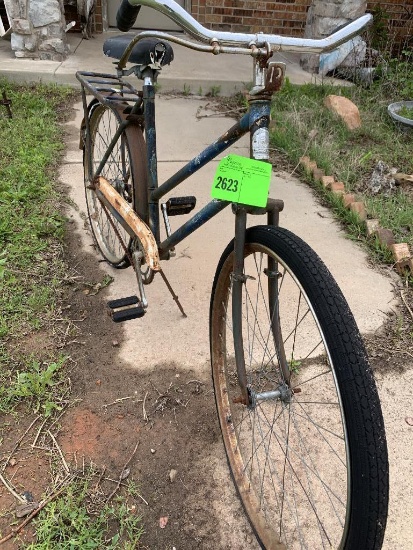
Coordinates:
column 244, row 40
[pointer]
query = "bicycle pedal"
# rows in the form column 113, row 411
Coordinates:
column 123, row 302
column 176, row 206
column 120, row 310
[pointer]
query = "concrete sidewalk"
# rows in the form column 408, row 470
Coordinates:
column 194, row 71
column 185, row 342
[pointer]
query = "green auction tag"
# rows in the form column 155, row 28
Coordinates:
column 242, row 180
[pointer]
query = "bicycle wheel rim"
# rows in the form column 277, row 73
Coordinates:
column 111, row 238
column 323, row 518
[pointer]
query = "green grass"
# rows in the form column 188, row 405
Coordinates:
column 304, row 126
column 31, row 227
column 37, row 386
column 31, row 233
column 406, row 112
column 67, row 522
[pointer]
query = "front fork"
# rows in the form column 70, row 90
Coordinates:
column 267, row 79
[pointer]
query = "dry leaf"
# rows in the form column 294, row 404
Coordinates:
column 163, row 521
column 26, row 509
column 125, row 473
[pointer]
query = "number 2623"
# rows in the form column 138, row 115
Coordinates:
column 227, row 184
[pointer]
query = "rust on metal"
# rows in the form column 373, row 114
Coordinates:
column 138, row 226
column 240, row 399
column 274, row 76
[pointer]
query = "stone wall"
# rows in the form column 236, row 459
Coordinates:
column 323, row 17
column 38, row 29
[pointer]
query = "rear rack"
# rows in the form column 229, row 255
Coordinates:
column 108, row 88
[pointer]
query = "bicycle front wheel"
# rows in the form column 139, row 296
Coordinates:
column 125, row 169
column 308, row 452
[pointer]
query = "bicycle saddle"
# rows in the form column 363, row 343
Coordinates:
column 145, row 52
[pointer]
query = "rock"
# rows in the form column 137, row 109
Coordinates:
column 359, row 209
column 351, row 8
column 372, row 226
column 382, row 179
column 400, row 251
column 22, row 26
column 345, row 109
column 348, row 198
column 305, row 163
column 17, row 41
column 385, row 236
column 26, row 509
column 172, row 475
column 337, row 187
column 54, row 45
column 327, row 181
column 318, row 174
column 324, row 26
column 44, row 12
column 163, row 521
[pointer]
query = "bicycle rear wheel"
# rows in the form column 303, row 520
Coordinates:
column 308, row 455
column 125, row 169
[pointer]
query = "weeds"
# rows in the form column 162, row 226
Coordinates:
column 69, row 522
column 31, row 228
column 406, row 112
column 304, row 126
column 214, row 91
column 31, row 232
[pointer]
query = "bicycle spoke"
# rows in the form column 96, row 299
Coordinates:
column 290, row 447
column 111, row 237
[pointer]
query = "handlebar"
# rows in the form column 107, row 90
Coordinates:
column 241, row 40
column 126, row 16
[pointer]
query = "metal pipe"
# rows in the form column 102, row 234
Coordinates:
column 222, row 143
column 238, row 281
column 199, row 219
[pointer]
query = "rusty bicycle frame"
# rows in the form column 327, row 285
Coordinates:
column 145, row 222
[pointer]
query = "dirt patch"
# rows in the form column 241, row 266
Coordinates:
column 169, row 413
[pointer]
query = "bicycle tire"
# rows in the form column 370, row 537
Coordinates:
column 125, row 169
column 302, row 482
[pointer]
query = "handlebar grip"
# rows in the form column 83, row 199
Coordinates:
column 126, row 16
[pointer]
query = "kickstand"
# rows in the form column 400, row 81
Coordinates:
column 174, row 296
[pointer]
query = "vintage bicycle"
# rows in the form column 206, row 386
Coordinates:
column 296, row 399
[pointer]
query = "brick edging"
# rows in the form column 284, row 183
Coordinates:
column 402, row 255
